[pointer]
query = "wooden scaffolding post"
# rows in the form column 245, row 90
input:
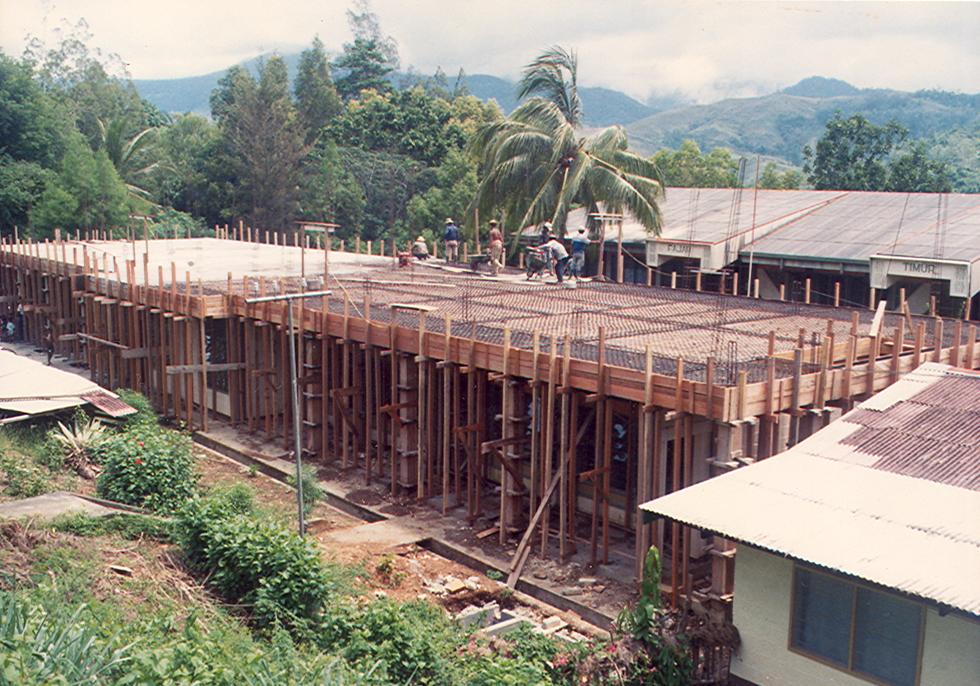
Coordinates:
column 565, row 446
column 549, row 437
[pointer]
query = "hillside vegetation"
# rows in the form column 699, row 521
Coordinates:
column 780, row 124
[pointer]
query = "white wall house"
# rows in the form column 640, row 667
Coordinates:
column 858, row 556
column 803, row 625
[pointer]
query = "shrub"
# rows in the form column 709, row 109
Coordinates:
column 145, row 414
column 254, row 560
column 404, row 642
column 313, row 492
column 78, row 443
column 146, row 467
column 24, row 478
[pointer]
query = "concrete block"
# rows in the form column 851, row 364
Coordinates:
column 505, row 627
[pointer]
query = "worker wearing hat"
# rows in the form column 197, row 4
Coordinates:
column 496, row 248
column 545, row 233
column 451, row 238
column 420, row 250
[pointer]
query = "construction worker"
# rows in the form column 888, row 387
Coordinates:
column 580, row 242
column 48, row 342
column 496, row 248
column 559, row 254
column 545, row 234
column 451, row 237
column 420, row 250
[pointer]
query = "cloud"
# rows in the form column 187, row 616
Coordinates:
column 705, row 50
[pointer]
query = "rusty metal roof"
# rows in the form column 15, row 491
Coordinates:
column 890, row 493
column 112, row 406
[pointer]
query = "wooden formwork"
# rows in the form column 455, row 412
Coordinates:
column 551, row 437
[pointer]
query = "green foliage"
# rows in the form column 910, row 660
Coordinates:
column 22, row 477
column 455, row 186
column 330, row 191
column 61, row 647
column 664, row 656
column 194, row 174
column 146, row 467
column 407, row 122
column 264, row 141
column 317, row 101
column 48, row 640
column 852, row 154
column 789, row 179
column 87, row 192
column 538, row 166
column 403, row 642
column 132, row 527
column 363, row 66
column 688, row 167
column 914, row 171
column 32, row 126
column 145, row 414
column 388, row 181
column 313, row 492
column 960, row 150
column 131, row 151
column 21, row 185
column 256, row 561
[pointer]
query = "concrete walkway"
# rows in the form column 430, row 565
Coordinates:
column 52, row 505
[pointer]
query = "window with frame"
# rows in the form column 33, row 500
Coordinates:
column 855, row 628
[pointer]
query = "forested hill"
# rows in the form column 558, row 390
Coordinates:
column 602, row 106
column 780, row 124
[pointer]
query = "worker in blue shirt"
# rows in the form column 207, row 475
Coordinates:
column 451, row 237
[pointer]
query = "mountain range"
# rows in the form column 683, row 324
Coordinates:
column 603, row 106
column 775, row 126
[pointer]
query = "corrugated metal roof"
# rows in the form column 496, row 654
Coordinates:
column 818, row 225
column 29, row 387
column 889, row 493
column 856, row 225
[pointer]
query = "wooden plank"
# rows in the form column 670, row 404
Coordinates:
column 135, row 353
column 878, row 319
column 196, row 368
column 102, row 341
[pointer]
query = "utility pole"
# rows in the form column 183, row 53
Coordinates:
column 294, row 383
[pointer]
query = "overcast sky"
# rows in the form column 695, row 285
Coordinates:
column 705, row 50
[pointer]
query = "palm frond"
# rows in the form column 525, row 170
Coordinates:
column 553, row 75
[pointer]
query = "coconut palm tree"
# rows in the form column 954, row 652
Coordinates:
column 128, row 155
column 537, row 165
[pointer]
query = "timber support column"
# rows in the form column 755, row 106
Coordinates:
column 407, row 386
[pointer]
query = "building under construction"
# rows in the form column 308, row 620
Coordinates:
column 546, row 414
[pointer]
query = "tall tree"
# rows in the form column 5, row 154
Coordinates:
column 688, row 167
column 195, row 173
column 363, row 67
column 317, row 101
column 772, row 179
column 538, row 166
column 92, row 85
column 852, row 154
column 87, row 193
column 366, row 63
column 913, row 171
column 364, row 23
column 408, row 122
column 266, row 142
